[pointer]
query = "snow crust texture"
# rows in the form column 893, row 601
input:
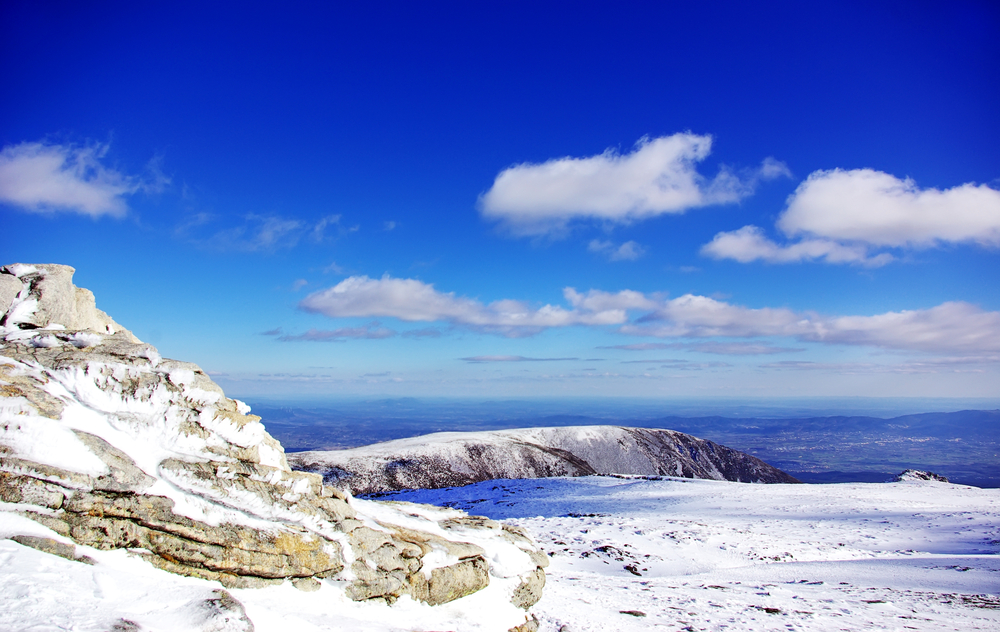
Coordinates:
column 107, row 449
column 448, row 459
column 637, row 553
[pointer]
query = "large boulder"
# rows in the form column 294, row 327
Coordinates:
column 108, row 444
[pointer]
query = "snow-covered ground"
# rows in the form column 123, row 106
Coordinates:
column 679, row 554
column 627, row 554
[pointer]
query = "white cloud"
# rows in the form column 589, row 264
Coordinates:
column 412, row 300
column 658, row 177
column 628, row 251
column 750, row 244
column 618, row 302
column 949, row 327
column 47, row 178
column 955, row 327
column 841, row 216
column 879, row 209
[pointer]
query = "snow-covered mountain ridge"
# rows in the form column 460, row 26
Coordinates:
column 108, row 450
column 450, row 459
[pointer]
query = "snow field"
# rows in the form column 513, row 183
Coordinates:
column 680, row 554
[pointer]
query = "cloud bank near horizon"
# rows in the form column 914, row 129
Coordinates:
column 951, row 327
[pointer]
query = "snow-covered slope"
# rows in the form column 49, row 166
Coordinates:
column 121, row 468
column 449, row 459
column 634, row 554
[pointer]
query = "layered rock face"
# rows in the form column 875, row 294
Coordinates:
column 108, row 444
column 450, row 459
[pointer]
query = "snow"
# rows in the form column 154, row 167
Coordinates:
column 710, row 555
column 715, row 555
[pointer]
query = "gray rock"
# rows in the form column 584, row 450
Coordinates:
column 529, row 591
column 222, row 458
column 46, row 545
column 59, row 302
column 224, row 613
column 10, row 287
column 450, row 582
column 306, row 584
column 918, row 475
column 125, row 475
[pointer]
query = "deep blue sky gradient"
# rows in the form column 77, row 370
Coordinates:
column 406, row 112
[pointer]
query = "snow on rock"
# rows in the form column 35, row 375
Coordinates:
column 918, row 475
column 448, row 459
column 137, row 471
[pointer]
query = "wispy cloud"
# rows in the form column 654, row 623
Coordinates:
column 263, row 233
column 414, row 301
column 960, row 364
column 373, row 331
column 841, row 216
column 750, row 244
column 49, row 178
column 658, row 177
column 512, row 358
column 272, row 332
column 718, row 348
column 628, row 251
column 319, row 231
column 426, row 332
column 953, row 327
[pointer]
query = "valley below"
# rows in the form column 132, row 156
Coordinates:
column 961, row 445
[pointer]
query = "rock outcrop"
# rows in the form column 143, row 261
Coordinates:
column 450, row 459
column 918, row 475
column 108, row 444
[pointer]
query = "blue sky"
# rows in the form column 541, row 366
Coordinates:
column 521, row 199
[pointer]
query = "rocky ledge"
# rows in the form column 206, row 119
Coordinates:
column 113, row 447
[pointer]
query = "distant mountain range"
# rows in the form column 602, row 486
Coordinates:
column 962, row 445
column 452, row 459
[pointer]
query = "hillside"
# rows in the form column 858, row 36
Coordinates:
column 451, row 459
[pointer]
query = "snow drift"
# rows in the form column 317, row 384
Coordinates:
column 450, row 459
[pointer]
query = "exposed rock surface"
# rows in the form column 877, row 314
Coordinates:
column 918, row 475
column 108, row 444
column 449, row 459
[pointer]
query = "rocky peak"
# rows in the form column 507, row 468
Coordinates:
column 918, row 475
column 110, row 446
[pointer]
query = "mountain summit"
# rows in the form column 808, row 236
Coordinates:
column 449, row 459
column 106, row 447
